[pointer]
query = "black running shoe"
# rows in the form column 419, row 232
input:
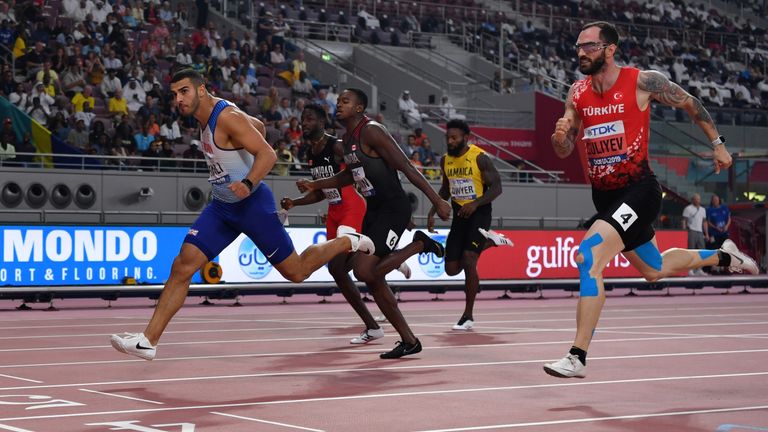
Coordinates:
column 430, row 245
column 402, row 349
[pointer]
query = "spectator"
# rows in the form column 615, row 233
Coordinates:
column 718, row 221
column 416, row 162
column 695, row 221
column 46, row 100
column 279, row 30
column 240, row 92
column 293, row 133
column 284, row 159
column 86, row 115
column 73, row 80
column 170, row 130
column 7, row 147
column 285, row 109
column 299, row 65
column 276, row 57
column 19, row 97
column 148, row 110
column 78, row 137
column 118, row 106
column 409, row 110
column 152, row 127
column 154, row 150
column 449, row 112
column 218, row 51
column 143, row 139
column 86, row 97
column 297, row 165
column 302, row 87
column 419, row 137
column 110, row 84
column 272, row 118
column 134, row 94
column 263, row 56
column 193, row 152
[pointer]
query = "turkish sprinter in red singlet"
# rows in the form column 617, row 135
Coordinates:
column 610, row 111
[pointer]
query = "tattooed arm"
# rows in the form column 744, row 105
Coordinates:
column 653, row 85
column 566, row 129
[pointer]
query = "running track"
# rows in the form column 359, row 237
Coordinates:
column 669, row 364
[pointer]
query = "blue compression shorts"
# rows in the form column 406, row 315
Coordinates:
column 221, row 223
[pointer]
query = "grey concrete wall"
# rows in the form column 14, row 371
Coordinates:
column 119, row 192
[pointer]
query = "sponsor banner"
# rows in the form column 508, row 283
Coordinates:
column 518, row 141
column 552, row 254
column 104, row 255
column 242, row 261
column 87, row 255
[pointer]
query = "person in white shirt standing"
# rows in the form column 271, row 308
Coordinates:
column 695, row 221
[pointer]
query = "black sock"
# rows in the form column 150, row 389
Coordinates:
column 580, row 353
column 724, row 259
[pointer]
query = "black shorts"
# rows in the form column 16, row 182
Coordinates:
column 630, row 210
column 464, row 235
column 385, row 223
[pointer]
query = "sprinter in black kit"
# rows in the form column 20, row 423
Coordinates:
column 373, row 161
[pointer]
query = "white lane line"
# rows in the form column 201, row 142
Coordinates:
column 351, row 351
column 416, row 313
column 596, row 419
column 514, row 331
column 20, row 378
column 267, row 422
column 338, row 325
column 122, row 396
column 558, row 384
column 13, row 429
column 368, row 369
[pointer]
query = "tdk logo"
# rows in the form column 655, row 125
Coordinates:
column 604, row 130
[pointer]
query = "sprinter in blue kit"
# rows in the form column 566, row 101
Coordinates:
column 238, row 158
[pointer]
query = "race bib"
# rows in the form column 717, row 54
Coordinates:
column 606, row 144
column 463, row 189
column 217, row 174
column 332, row 195
column 362, row 183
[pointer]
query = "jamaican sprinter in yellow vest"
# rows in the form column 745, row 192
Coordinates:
column 472, row 182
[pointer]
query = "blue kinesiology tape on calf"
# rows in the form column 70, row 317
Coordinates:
column 649, row 253
column 706, row 253
column 588, row 284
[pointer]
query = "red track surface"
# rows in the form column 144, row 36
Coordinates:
column 681, row 363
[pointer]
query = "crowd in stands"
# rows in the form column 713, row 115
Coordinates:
column 97, row 75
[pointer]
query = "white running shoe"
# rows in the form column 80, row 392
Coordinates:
column 739, row 260
column 464, row 324
column 380, row 318
column 359, row 242
column 135, row 344
column 367, row 336
column 405, row 269
column 567, row 367
column 497, row 239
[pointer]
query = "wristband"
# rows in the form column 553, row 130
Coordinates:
column 719, row 141
column 248, row 183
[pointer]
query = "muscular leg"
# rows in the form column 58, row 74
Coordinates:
column 365, row 271
column 392, row 261
column 296, row 267
column 189, row 260
column 673, row 261
column 337, row 267
column 471, row 280
column 591, row 302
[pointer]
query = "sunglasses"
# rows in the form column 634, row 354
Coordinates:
column 590, row 47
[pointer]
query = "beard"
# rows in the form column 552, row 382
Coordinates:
column 594, row 66
column 456, row 151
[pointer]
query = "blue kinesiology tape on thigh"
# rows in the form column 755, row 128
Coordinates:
column 588, row 284
column 706, row 253
column 649, row 253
